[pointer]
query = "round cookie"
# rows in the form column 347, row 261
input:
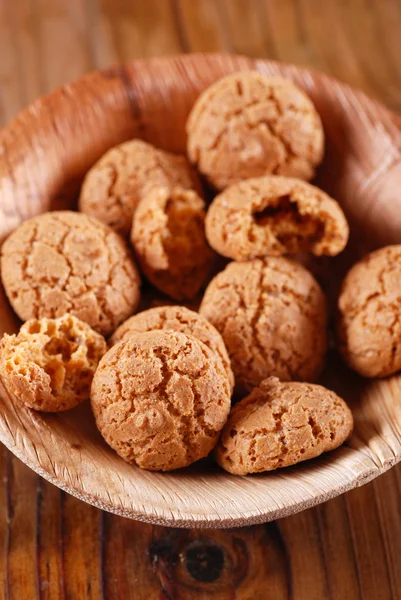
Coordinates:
column 281, row 424
column 271, row 314
column 369, row 319
column 160, row 399
column 177, row 318
column 121, row 178
column 49, row 365
column 169, row 240
column 248, row 125
column 275, row 215
column 63, row 262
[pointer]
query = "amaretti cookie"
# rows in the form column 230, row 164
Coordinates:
column 121, row 178
column 177, row 318
column 369, row 314
column 49, row 365
column 248, row 125
column 275, row 215
column 160, row 399
column 271, row 314
column 281, row 424
column 169, row 240
column 66, row 262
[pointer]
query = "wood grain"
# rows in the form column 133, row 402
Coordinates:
column 355, row 41
column 362, row 170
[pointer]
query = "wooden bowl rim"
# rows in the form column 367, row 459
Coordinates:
column 167, row 515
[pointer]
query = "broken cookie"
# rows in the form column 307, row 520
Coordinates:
column 169, row 240
column 275, row 215
column 49, row 365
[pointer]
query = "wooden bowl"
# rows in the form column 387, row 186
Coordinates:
column 44, row 154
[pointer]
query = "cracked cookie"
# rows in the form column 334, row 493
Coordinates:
column 369, row 314
column 63, row 262
column 160, row 399
column 169, row 239
column 121, row 178
column 177, row 318
column 271, row 314
column 281, row 424
column 49, row 365
column 275, row 215
column 248, row 125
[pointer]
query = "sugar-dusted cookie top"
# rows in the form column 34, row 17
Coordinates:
column 248, row 125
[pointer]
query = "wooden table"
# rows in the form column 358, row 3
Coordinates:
column 53, row 546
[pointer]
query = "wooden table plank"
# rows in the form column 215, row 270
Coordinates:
column 53, row 546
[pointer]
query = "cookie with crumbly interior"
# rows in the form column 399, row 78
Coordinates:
column 249, row 125
column 49, row 365
column 168, row 237
column 160, row 399
column 272, row 316
column 281, row 424
column 114, row 186
column 65, row 262
column 369, row 314
column 177, row 318
column 275, row 215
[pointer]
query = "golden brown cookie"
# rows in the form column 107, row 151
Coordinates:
column 177, row 318
column 49, row 365
column 369, row 324
column 160, row 399
column 248, row 125
column 63, row 262
column 271, row 314
column 281, row 424
column 275, row 215
column 169, row 240
column 119, row 180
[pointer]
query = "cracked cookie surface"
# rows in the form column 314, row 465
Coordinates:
column 49, row 365
column 65, row 262
column 281, row 424
column 160, row 399
column 271, row 314
column 248, row 125
column 275, row 215
column 168, row 236
column 369, row 315
column 177, row 318
column 114, row 186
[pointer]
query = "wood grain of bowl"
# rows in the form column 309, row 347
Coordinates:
column 44, row 154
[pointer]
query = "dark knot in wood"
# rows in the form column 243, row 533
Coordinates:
column 204, row 560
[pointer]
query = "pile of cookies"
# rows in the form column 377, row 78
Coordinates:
column 172, row 384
